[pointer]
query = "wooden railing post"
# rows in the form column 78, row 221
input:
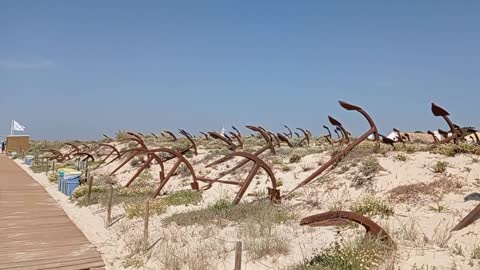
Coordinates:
column 145, row 225
column 238, row 255
column 89, row 183
column 109, row 205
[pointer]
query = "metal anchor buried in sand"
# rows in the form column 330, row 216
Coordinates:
column 373, row 130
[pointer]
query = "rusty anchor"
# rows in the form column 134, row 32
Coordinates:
column 151, row 155
column 231, row 146
column 306, row 137
column 54, row 155
column 373, row 130
column 440, row 112
column 284, row 138
column 289, row 134
column 342, row 217
column 238, row 138
column 237, row 131
column 205, row 135
column 87, row 156
column 339, row 128
column 328, row 136
column 472, row 216
column 274, row 137
column 174, row 138
column 143, row 150
column 268, row 146
column 258, row 164
column 114, row 151
column 403, row 138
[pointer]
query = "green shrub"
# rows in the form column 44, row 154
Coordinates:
column 369, row 205
column 370, row 166
column 401, row 157
column 358, row 254
column 476, row 252
column 223, row 211
column 183, row 197
column 295, row 158
column 440, row 167
column 137, row 209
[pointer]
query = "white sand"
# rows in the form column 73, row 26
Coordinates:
column 422, row 235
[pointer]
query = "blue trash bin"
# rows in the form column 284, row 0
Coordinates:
column 71, row 185
column 29, row 160
column 71, row 180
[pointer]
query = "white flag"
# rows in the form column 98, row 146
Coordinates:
column 17, row 126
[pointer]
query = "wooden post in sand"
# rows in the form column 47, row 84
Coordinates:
column 238, row 255
column 87, row 173
column 145, row 225
column 89, row 183
column 109, row 205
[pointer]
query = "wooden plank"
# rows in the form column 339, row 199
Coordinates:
column 41, row 262
column 35, row 231
column 58, row 262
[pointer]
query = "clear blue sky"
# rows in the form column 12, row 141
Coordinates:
column 77, row 69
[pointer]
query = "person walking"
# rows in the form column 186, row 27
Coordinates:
column 3, row 147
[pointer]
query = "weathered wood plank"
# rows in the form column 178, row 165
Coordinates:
column 35, row 231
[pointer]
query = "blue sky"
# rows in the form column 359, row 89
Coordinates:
column 77, row 69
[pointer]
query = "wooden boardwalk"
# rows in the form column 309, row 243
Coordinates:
column 35, row 232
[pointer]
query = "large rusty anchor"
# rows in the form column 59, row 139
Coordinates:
column 238, row 137
column 343, row 217
column 54, row 155
column 205, row 135
column 113, row 152
column 306, row 137
column 258, row 164
column 273, row 192
column 151, row 155
column 402, row 138
column 284, row 138
column 174, row 138
column 329, row 136
column 373, row 130
column 340, row 128
column 237, row 131
column 268, row 146
column 440, row 112
column 226, row 139
column 289, row 134
column 86, row 156
column 472, row 216
column 142, row 150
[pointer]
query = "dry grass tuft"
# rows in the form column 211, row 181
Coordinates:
column 263, row 239
column 432, row 191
